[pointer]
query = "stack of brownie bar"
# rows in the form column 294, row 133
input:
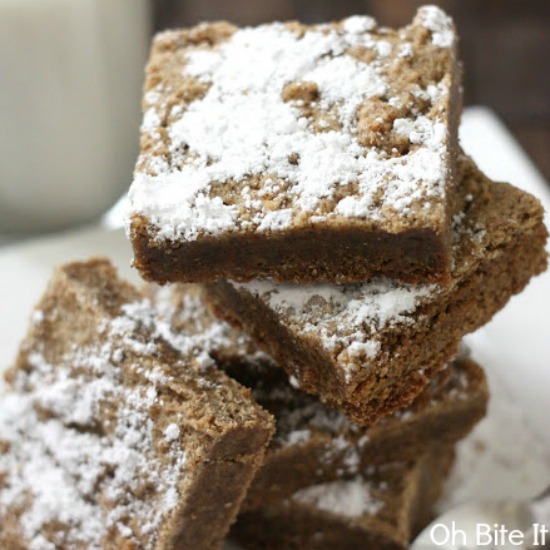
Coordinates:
column 326, row 481
column 137, row 420
column 311, row 180
column 323, row 246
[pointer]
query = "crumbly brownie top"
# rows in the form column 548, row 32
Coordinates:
column 350, row 320
column 108, row 411
column 285, row 125
column 55, row 461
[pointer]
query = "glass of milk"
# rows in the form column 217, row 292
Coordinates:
column 71, row 74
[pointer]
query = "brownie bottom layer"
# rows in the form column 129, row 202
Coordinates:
column 337, row 255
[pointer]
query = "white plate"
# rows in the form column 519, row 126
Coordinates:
column 509, row 452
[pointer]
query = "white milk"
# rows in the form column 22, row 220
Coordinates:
column 71, row 74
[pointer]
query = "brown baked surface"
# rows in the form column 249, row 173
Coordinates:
column 370, row 349
column 300, row 153
column 314, row 443
column 382, row 509
column 115, row 433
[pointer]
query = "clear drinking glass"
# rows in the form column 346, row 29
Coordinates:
column 71, row 74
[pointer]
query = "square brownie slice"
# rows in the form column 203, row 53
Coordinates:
column 300, row 153
column 314, row 443
column 118, row 433
column 382, row 508
column 370, row 348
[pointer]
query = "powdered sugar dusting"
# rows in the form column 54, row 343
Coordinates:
column 65, row 465
column 441, row 25
column 182, row 308
column 81, row 446
column 172, row 432
column 244, row 128
column 350, row 498
column 347, row 318
column 358, row 24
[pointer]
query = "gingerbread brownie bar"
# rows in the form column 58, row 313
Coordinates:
column 369, row 349
column 382, row 508
column 300, row 153
column 314, row 443
column 116, row 432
